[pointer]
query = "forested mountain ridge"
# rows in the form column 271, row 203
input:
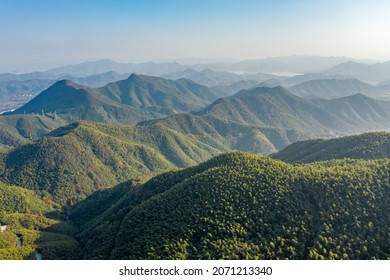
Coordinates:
column 242, row 206
column 71, row 102
column 73, row 161
column 16, row 93
column 233, row 206
column 374, row 145
column 33, row 225
column 127, row 101
column 362, row 112
column 142, row 91
column 17, row 130
column 377, row 72
column 276, row 109
column 17, row 199
column 252, row 112
column 262, row 120
column 334, row 88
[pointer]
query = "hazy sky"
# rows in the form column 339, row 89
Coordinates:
column 37, row 34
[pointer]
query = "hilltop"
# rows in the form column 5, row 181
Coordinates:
column 29, row 228
column 274, row 117
column 242, row 206
column 73, row 161
column 126, row 101
column 17, row 130
column 365, row 146
column 333, row 88
column 155, row 93
column 70, row 101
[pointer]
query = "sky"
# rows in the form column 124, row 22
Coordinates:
column 40, row 34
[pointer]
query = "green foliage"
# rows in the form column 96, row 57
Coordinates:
column 7, row 239
column 53, row 246
column 217, row 213
column 158, row 94
column 234, row 206
column 37, row 222
column 34, row 231
column 27, row 221
column 62, row 228
column 17, row 130
column 123, row 102
column 19, row 253
column 16, row 199
column 4, row 149
column 374, row 145
column 61, row 250
column 68, row 101
column 74, row 161
column 276, row 107
column 241, row 206
column 352, row 197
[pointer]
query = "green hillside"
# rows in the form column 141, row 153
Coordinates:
column 76, row 160
column 275, row 107
column 30, row 230
column 160, row 94
column 16, row 130
column 265, row 120
column 229, row 135
column 70, row 101
column 362, row 112
column 16, row 199
column 261, row 120
column 35, row 233
column 365, row 146
column 123, row 102
column 242, row 206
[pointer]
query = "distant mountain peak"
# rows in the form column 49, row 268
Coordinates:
column 262, row 90
column 65, row 82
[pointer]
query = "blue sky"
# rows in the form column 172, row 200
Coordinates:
column 37, row 34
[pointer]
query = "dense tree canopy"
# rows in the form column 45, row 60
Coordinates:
column 242, row 206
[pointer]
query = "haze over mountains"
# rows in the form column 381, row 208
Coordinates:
column 371, row 73
column 16, row 89
column 80, row 153
column 334, row 88
column 128, row 101
column 249, row 116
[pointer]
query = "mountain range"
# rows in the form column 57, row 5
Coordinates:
column 294, row 64
column 366, row 146
column 277, row 108
column 260, row 120
column 371, row 73
column 332, row 88
column 242, row 206
column 211, row 78
column 17, row 89
column 16, row 130
column 127, row 101
column 106, row 155
column 15, row 93
column 147, row 167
